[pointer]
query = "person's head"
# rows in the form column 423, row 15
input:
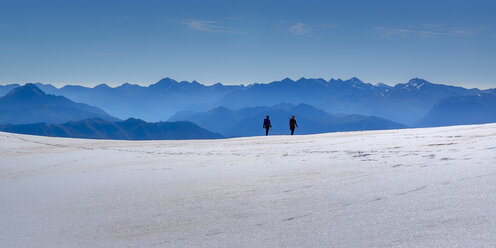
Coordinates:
column 267, row 117
column 292, row 117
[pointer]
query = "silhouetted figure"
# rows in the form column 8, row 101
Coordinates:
column 292, row 124
column 267, row 125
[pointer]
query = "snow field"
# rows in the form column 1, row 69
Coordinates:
column 431, row 187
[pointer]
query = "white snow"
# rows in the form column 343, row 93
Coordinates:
column 432, row 187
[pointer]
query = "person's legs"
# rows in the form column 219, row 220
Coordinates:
column 266, row 131
column 292, row 131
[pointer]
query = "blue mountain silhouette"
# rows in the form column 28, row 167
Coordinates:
column 29, row 104
column 130, row 129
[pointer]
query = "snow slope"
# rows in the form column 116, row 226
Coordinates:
column 432, row 187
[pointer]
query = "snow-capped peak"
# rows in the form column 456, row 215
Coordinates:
column 417, row 82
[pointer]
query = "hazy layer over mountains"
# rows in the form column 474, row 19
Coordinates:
column 474, row 109
column 406, row 103
column 320, row 106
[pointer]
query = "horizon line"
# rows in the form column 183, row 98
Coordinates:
column 116, row 85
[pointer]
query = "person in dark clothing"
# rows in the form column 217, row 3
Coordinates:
column 267, row 125
column 292, row 124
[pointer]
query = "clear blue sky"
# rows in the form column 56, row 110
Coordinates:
column 234, row 42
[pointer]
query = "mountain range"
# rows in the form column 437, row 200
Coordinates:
column 130, row 129
column 29, row 104
column 249, row 121
column 405, row 103
column 415, row 103
column 156, row 102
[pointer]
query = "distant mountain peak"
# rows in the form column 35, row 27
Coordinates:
column 417, row 82
column 413, row 84
column 164, row 82
column 133, row 121
column 168, row 83
column 167, row 79
column 383, row 85
column 102, row 86
column 27, row 91
column 217, row 85
column 355, row 80
column 287, row 80
column 333, row 81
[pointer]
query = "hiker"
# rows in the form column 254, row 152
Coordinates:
column 267, row 125
column 292, row 124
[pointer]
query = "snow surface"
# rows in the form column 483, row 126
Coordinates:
column 432, row 187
